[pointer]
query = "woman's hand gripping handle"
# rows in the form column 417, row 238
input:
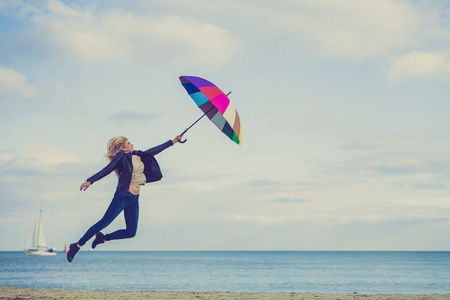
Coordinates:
column 85, row 185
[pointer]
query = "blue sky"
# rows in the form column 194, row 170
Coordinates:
column 344, row 107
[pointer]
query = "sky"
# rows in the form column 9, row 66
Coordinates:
column 344, row 108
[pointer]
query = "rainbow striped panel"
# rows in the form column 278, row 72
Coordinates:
column 217, row 106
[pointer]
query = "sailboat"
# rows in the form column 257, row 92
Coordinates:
column 38, row 246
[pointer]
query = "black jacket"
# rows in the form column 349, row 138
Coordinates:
column 123, row 163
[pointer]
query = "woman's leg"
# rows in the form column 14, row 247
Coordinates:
column 118, row 204
column 131, row 214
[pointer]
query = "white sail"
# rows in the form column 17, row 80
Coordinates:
column 41, row 248
column 30, row 243
column 41, row 237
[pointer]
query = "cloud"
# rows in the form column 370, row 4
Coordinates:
column 288, row 200
column 115, row 34
column 45, row 158
column 396, row 163
column 352, row 29
column 129, row 116
column 14, row 86
column 336, row 219
column 344, row 219
column 440, row 204
column 263, row 183
column 268, row 219
column 429, row 186
column 419, row 64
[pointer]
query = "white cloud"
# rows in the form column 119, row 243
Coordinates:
column 14, row 85
column 116, row 34
column 268, row 219
column 367, row 218
column 335, row 219
column 130, row 116
column 45, row 157
column 349, row 29
column 421, row 64
column 354, row 29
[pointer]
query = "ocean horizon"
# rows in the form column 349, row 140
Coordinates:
column 387, row 272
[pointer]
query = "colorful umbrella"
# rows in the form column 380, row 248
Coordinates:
column 215, row 104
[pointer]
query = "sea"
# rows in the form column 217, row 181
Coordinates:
column 235, row 271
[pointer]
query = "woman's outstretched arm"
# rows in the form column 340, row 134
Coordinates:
column 102, row 173
column 155, row 150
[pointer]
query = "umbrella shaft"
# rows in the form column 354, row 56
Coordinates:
column 196, row 121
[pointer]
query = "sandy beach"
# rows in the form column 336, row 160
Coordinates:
column 10, row 293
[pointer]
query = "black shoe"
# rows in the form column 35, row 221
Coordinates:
column 99, row 239
column 73, row 249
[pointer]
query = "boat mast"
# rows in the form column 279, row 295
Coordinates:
column 39, row 229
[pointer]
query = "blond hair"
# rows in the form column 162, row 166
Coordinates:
column 114, row 146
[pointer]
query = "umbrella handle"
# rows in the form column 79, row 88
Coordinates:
column 185, row 140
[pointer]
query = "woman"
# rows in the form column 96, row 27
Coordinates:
column 133, row 169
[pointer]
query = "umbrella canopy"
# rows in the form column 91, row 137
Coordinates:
column 215, row 104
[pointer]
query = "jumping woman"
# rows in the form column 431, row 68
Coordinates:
column 133, row 169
